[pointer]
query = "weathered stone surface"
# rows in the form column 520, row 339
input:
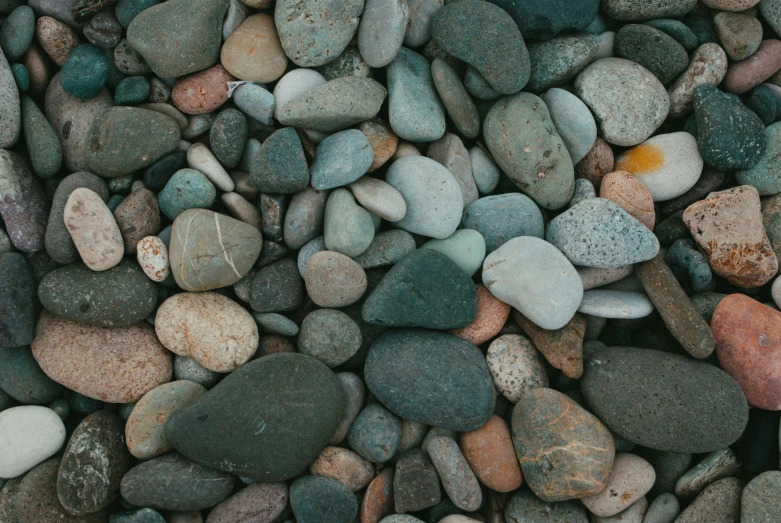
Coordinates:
column 137, row 216
column 93, row 229
column 489, row 452
column 17, row 300
column 415, row 483
column 720, row 501
column 259, row 502
column 758, row 498
column 23, row 380
column 563, row 348
column 23, row 205
column 525, row 506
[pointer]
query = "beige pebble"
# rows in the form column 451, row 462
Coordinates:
column 345, row 466
column 208, row 327
column 380, row 198
column 382, row 140
column 37, row 65
column 242, row 210
column 253, row 52
column 631, row 478
column 201, row 158
column 708, row 66
column 333, row 280
column 152, row 255
column 137, row 216
column 405, row 149
column 93, row 229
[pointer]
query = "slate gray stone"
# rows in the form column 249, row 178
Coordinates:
column 341, row 159
column 502, row 217
column 23, row 204
column 17, row 32
column 375, row 434
column 456, row 99
column 573, row 121
column 11, row 124
column 758, row 501
column 644, row 10
column 320, row 499
column 720, row 501
column 22, row 378
column 330, row 336
column 663, row 509
column 387, row 248
column 525, row 506
column 17, row 301
column 557, row 61
column 415, row 484
column 277, row 287
column 42, row 142
column 653, row 49
column 227, row 136
column 279, row 166
column 382, row 29
column 543, row 19
column 348, row 228
column 304, row 217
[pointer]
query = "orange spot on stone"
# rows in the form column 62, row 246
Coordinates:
column 642, row 159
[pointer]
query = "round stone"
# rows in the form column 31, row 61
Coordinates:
column 187, row 189
column 573, row 121
column 341, row 159
column 23, row 380
column 757, row 499
column 380, row 198
column 516, row 366
column 239, row 56
column 415, row 110
column 85, row 72
column 765, row 176
column 559, row 60
column 631, row 194
column 330, row 336
column 152, row 256
column 630, row 479
column 345, row 466
column 30, row 434
column 202, row 92
column 375, row 433
column 503, row 217
column 334, row 280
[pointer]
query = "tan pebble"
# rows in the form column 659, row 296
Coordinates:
column 242, row 210
column 378, row 499
column 596, row 164
column 273, row 344
column 707, row 66
column 490, row 453
column 93, row 229
column 37, row 65
column 630, row 479
column 631, row 195
column 382, row 139
column 117, row 365
column 208, row 327
column 593, row 277
column 345, row 466
column 405, row 149
column 202, row 92
column 258, row 503
column 379, row 197
column 152, row 255
column 334, row 280
column 137, row 216
column 201, row 158
column 56, row 38
column 253, row 52
column 491, row 317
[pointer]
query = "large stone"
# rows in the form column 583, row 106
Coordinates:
column 565, row 451
column 664, row 401
column 30, row 434
column 758, row 500
column 267, row 420
column 179, row 37
column 23, row 204
column 502, row 217
column 431, row 378
column 17, row 300
column 424, row 289
column 524, row 142
column 543, row 19
column 210, row 250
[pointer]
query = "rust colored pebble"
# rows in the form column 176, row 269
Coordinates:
column 382, row 140
column 345, row 466
column 273, row 344
column 491, row 317
column 489, row 452
column 596, row 164
column 378, row 499
column 631, row 195
column 56, row 38
column 748, row 345
column 202, row 92
column 746, row 74
column 563, row 348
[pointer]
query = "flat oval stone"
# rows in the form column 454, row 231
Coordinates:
column 456, row 99
column 399, row 372
column 173, row 482
column 203, row 92
column 744, row 75
column 628, row 110
column 565, row 451
column 739, row 34
column 214, row 330
column 17, row 300
column 42, row 142
column 433, row 198
column 334, row 280
column 615, row 304
column 125, row 139
column 757, row 499
column 708, row 66
column 179, row 38
column 765, row 175
column 255, row 101
column 152, row 256
column 341, row 159
column 573, row 121
column 379, row 197
column 144, row 430
column 525, row 271
column 450, row 152
column 85, row 72
column 424, row 289
column 620, row 382
column 330, row 336
column 545, row 172
column 415, row 110
column 23, row 380
column 354, row 393
column 378, row 499
column 503, row 217
column 490, row 454
column 345, row 466
column 318, row 499
column 30, row 434
column 525, row 506
column 501, row 58
column 559, row 60
column 630, row 479
column 335, row 105
column 267, row 420
column 720, row 501
column 93, row 229
column 238, row 54
column 23, row 204
column 116, row 365
column 457, row 478
column 225, row 249
column 664, row 509
column 598, row 233
column 466, row 247
column 292, row 85
column 631, row 194
column 640, row 10
column 93, row 464
column 382, row 29
column 315, row 33
column 653, row 49
column 516, row 366
column 117, row 297
column 203, row 159
column 259, row 502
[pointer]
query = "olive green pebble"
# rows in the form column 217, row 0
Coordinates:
column 21, row 77
column 42, row 142
column 131, row 90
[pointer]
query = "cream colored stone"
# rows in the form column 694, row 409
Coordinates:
column 631, row 478
column 93, row 229
column 28, row 435
column 380, row 198
column 152, row 255
column 201, row 158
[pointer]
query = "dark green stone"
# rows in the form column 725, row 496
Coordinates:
column 118, row 297
column 277, row 287
column 664, row 401
column 23, row 379
column 688, row 264
column 432, row 378
column 678, row 30
column 16, row 32
column 279, row 167
column 706, row 303
column 114, row 202
column 158, row 174
column 671, row 228
column 227, row 136
column 42, row 142
column 526, row 507
column 320, row 499
column 127, row 10
column 85, row 72
column 544, row 19
column 484, row 36
column 415, row 482
column 759, row 501
column 653, row 49
column 424, row 289
column 703, row 28
column 17, row 301
column 173, row 482
column 21, row 77
column 375, row 433
column 559, row 60
column 268, row 420
column 131, row 90
column 729, row 135
column 81, row 404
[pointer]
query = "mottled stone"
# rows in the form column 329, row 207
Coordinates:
column 516, row 366
column 23, row 204
column 502, row 217
column 375, row 433
column 260, row 502
column 716, row 465
column 708, row 66
column 137, row 216
column 718, row 502
column 378, row 499
column 653, row 49
column 202, row 92
column 56, row 39
column 415, row 484
column 630, row 479
column 744, row 75
column 330, row 336
column 93, row 229
column 345, row 466
column 758, row 498
column 559, row 60
column 334, row 280
column 457, row 478
column 596, row 164
column 17, row 300
column 279, row 167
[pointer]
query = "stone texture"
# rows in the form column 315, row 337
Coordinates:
column 542, row 20
column 23, row 205
column 203, row 92
column 630, row 479
column 490, row 454
column 258, row 502
column 525, row 506
column 561, row 347
column 137, row 216
column 746, row 74
column 93, row 229
column 238, row 54
column 719, row 502
column 17, row 300
column 516, row 366
column 457, row 478
column 757, row 502
column 415, row 484
column 708, row 66
column 492, row 314
column 30, row 435
column 334, row 280
column 631, row 194
column 345, row 466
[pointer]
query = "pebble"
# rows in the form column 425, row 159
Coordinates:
column 664, row 509
column 117, row 365
column 341, row 159
column 757, row 500
column 562, row 347
column 450, row 152
column 378, row 499
column 179, row 37
column 559, row 60
column 238, row 55
column 144, row 515
column 259, row 502
column 618, row 381
column 30, row 435
column 573, row 122
column 348, row 227
column 16, row 32
column 279, row 166
column 746, row 74
column 137, row 216
column 56, row 39
column 718, row 502
column 565, row 452
column 415, row 111
column 334, row 280
column 345, row 466
column 598, row 233
column 764, row 176
column 354, row 394
column 227, row 137
column 457, row 478
column 653, row 49
column 11, row 127
column 456, row 99
column 689, row 265
column 382, row 29
column 202, row 92
column 85, row 72
column 128, row 61
column 23, row 205
column 739, row 34
column 42, row 142
column 545, row 172
column 541, row 21
column 484, row 170
column 466, row 247
column 714, row 466
column 415, row 486
column 256, row 102
column 188, row 369
column 93, row 229
column 639, row 10
column 375, row 433
column 23, row 380
column 630, row 479
column 379, row 197
column 633, row 514
column 294, row 84
column 516, row 366
column 501, row 218
column 491, row 317
column 596, row 164
column 199, row 157
column 399, row 376
column 740, row 251
column 490, row 454
column 319, row 499
column 187, row 189
column 525, row 506
column 330, row 336
column 628, row 111
column 242, row 210
column 615, row 304
column 631, row 194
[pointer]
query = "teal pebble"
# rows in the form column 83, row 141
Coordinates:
column 703, row 28
column 256, row 102
column 42, row 142
column 764, row 101
column 341, row 159
column 158, row 174
column 85, row 72
column 187, row 189
column 131, row 90
column 82, row 404
column 144, row 515
column 228, row 135
column 127, row 10
column 653, row 49
column 765, row 175
column 274, row 323
column 478, row 86
column 121, row 184
column 678, row 30
column 114, row 202
column 16, row 33
column 319, row 499
column 21, row 77
column 375, row 433
column 502, row 217
column 23, row 379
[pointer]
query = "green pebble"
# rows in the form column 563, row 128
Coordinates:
column 187, row 189
column 120, row 184
column 21, row 77
column 228, row 135
column 703, row 28
column 655, row 50
column 16, row 32
column 85, row 72
column 678, row 30
column 274, row 323
column 114, row 202
column 131, row 90
column 765, row 175
column 158, row 174
column 42, row 142
column 127, row 10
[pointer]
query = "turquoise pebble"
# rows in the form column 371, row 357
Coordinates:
column 16, row 33
column 187, row 189
column 121, row 184
column 21, row 77
column 114, row 202
column 274, row 323
column 256, row 102
column 127, row 10
column 85, row 72
column 158, row 174
column 689, row 265
column 131, row 90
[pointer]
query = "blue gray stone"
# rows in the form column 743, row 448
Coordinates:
column 320, row 499
column 573, row 121
column 689, row 265
column 255, row 101
column 22, row 378
column 341, row 159
column 765, row 176
column 544, row 19
column 375, row 434
column 416, row 113
column 387, row 248
column 16, row 32
column 42, row 142
column 17, row 301
column 227, row 137
column 503, row 217
column 187, row 189
column 348, row 227
column 559, row 60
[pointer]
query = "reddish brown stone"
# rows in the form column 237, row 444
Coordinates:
column 748, row 345
column 563, row 348
column 202, row 92
column 727, row 226
column 631, row 195
column 56, row 38
column 137, row 216
column 489, row 452
column 345, row 466
column 491, row 317
column 746, row 74
column 378, row 499
column 382, row 139
column 596, row 164
column 273, row 344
